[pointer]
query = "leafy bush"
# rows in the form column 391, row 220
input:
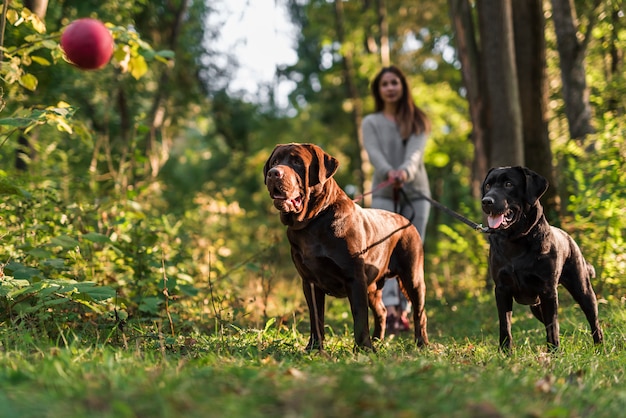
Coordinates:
column 594, row 185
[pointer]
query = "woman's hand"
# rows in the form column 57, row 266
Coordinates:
column 399, row 176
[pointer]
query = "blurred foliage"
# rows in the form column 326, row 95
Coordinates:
column 597, row 202
column 143, row 200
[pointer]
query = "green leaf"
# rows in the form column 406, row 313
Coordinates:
column 188, row 290
column 29, row 81
column 97, row 238
column 64, row 241
column 40, row 60
column 138, row 67
column 20, row 271
column 12, row 16
column 55, row 263
column 268, row 324
column 8, row 188
column 39, row 253
column 97, row 293
column 166, row 53
column 9, row 284
column 150, row 305
column 18, row 122
column 49, row 44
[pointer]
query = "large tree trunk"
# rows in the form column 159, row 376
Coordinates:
column 530, row 53
column 572, row 55
column 498, row 55
column 352, row 93
column 469, row 55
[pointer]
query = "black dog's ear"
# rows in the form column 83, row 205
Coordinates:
column 266, row 167
column 323, row 165
column 536, row 185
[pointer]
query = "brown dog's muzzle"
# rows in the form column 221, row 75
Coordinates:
column 282, row 184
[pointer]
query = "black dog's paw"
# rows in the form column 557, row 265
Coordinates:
column 314, row 344
column 365, row 349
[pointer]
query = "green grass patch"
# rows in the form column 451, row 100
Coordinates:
column 265, row 373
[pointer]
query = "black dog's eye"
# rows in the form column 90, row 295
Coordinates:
column 508, row 184
column 487, row 187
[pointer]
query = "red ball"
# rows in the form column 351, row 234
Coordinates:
column 87, row 43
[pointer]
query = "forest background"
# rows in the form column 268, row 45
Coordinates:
column 134, row 195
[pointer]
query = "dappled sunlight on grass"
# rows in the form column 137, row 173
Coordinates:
column 249, row 372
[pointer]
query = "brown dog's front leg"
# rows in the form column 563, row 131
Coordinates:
column 375, row 298
column 357, row 295
column 315, row 301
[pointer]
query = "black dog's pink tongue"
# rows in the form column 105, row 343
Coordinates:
column 495, row 220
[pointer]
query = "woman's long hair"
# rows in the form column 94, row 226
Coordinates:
column 410, row 118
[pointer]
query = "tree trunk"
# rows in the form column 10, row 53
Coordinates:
column 25, row 152
column 156, row 157
column 469, row 55
column 572, row 54
column 498, row 54
column 530, row 53
column 383, row 24
column 352, row 91
column 39, row 7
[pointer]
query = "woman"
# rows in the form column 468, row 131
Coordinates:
column 395, row 137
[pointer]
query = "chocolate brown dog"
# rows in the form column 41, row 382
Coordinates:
column 341, row 249
column 528, row 258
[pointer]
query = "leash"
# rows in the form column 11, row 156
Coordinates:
column 381, row 185
column 398, row 192
column 475, row 226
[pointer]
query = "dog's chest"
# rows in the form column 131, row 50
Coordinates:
column 321, row 261
column 521, row 285
column 523, row 271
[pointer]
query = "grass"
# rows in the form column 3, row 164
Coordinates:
column 266, row 373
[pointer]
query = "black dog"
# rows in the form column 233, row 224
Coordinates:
column 528, row 258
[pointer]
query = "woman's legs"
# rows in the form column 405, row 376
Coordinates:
column 398, row 307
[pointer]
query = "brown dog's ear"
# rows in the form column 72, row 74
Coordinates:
column 323, row 165
column 536, row 185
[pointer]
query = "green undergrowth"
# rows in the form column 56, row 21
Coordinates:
column 238, row 372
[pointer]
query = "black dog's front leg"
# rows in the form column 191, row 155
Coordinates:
column 549, row 310
column 504, row 302
column 315, row 301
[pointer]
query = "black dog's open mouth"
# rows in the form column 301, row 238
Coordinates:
column 500, row 220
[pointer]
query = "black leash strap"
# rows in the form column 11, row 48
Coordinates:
column 399, row 192
column 475, row 226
